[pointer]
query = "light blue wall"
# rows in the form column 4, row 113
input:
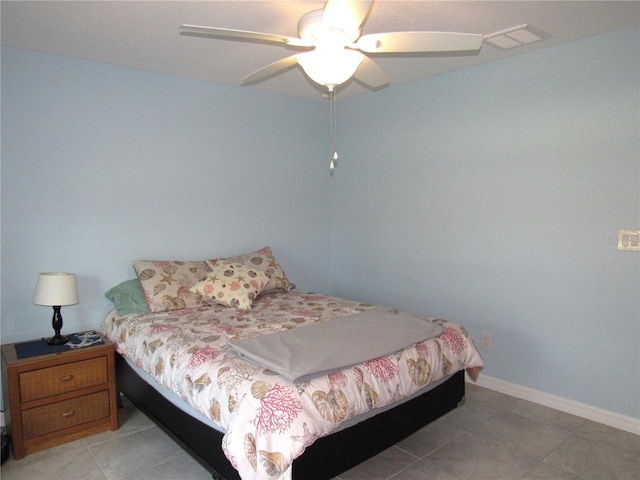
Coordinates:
column 493, row 196
column 102, row 165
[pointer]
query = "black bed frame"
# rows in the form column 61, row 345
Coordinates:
column 326, row 458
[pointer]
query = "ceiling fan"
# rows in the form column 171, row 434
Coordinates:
column 334, row 50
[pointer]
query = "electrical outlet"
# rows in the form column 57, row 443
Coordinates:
column 485, row 340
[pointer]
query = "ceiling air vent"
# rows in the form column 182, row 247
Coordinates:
column 515, row 36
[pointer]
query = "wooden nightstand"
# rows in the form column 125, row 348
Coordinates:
column 58, row 397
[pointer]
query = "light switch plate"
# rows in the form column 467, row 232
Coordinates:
column 629, row 240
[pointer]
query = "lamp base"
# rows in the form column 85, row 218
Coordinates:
column 56, row 323
column 57, row 340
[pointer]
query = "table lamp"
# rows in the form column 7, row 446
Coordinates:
column 56, row 289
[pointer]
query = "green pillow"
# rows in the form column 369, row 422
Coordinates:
column 128, row 298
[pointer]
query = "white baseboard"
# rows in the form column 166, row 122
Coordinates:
column 612, row 419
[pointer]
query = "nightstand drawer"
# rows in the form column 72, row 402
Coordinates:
column 63, row 378
column 65, row 414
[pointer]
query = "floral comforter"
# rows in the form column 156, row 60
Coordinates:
column 268, row 420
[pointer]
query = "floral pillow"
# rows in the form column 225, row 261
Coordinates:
column 261, row 260
column 232, row 284
column 166, row 284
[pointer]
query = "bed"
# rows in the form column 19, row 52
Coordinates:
column 187, row 357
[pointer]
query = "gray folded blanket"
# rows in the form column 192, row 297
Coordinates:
column 321, row 348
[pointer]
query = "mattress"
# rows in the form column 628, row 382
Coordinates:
column 268, row 420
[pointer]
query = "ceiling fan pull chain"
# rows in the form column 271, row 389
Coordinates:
column 334, row 129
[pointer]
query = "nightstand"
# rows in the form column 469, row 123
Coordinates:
column 54, row 398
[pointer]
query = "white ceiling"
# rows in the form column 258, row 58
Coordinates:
column 145, row 34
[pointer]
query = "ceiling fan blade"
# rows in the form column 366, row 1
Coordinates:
column 401, row 42
column 346, row 15
column 371, row 74
column 244, row 35
column 269, row 70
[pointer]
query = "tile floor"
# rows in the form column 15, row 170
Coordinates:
column 492, row 436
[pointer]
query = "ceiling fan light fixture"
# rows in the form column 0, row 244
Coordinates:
column 329, row 67
column 315, row 25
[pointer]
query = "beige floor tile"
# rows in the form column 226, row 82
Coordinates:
column 430, row 438
column 470, row 456
column 125, row 456
column 131, row 420
column 380, row 467
column 546, row 415
column 543, row 471
column 59, row 463
column 522, row 437
column 422, row 470
column 592, row 460
column 183, row 468
column 610, row 436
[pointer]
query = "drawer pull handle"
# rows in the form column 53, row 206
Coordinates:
column 66, row 378
column 68, row 414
